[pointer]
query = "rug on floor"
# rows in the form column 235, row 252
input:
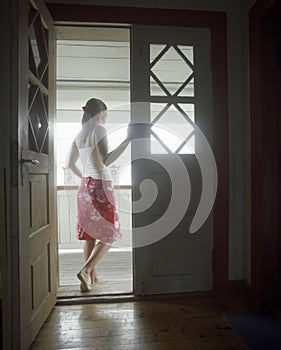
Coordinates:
column 257, row 331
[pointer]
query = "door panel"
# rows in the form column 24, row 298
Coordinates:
column 171, row 94
column 37, row 210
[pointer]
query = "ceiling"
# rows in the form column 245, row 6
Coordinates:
column 91, row 62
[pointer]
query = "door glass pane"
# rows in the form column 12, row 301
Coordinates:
column 157, row 147
column 34, row 45
column 188, row 147
column 38, row 63
column 188, row 89
column 156, row 50
column 173, row 127
column 38, row 46
column 171, row 70
column 187, row 110
column 188, row 52
column 38, row 120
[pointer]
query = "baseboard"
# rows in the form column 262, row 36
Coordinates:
column 238, row 287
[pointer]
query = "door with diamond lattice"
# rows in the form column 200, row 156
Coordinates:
column 172, row 110
column 37, row 210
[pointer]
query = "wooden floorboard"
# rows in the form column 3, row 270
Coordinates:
column 115, row 269
column 163, row 323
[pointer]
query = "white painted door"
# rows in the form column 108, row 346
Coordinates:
column 171, row 99
column 37, row 205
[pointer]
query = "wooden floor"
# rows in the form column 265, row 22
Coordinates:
column 164, row 323
column 115, row 269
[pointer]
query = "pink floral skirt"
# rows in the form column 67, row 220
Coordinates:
column 97, row 214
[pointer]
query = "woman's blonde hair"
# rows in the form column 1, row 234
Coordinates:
column 91, row 111
column 92, row 108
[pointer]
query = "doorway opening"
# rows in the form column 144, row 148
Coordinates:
column 93, row 62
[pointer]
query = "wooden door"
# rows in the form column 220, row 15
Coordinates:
column 171, row 99
column 37, row 209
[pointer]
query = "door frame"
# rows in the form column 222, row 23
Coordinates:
column 72, row 14
column 265, row 80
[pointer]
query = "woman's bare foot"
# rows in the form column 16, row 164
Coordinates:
column 97, row 280
column 83, row 277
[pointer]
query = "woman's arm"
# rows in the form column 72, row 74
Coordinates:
column 116, row 153
column 71, row 160
column 102, row 144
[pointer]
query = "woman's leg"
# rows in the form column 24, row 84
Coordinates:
column 97, row 253
column 88, row 248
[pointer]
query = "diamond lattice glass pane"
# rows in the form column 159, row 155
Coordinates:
column 156, row 147
column 188, row 110
column 46, row 37
column 45, row 78
column 155, row 89
column 46, row 107
column 32, row 91
column 34, row 46
column 38, row 53
column 172, row 128
column 31, row 63
column 188, row 89
column 156, row 109
column 38, row 122
column 188, row 52
column 172, row 69
column 189, row 147
column 155, row 51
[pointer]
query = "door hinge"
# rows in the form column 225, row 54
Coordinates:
column 213, row 260
column 14, row 164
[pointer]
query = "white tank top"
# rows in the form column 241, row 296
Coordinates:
column 92, row 165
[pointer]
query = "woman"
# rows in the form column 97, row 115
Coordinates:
column 97, row 215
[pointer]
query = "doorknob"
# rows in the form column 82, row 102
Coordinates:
column 32, row 161
column 25, row 160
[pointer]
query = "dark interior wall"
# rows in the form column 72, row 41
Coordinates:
column 265, row 134
column 9, row 17
column 270, row 151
